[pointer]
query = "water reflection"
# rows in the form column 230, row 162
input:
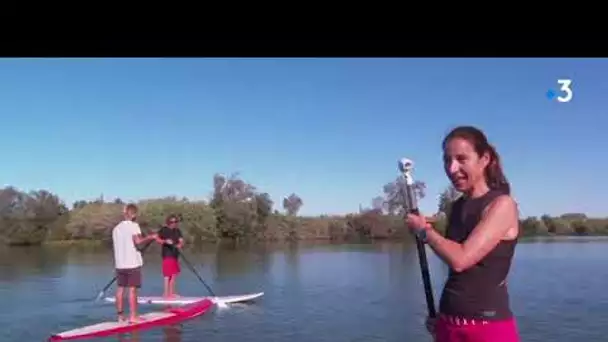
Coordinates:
column 22, row 262
column 230, row 261
column 292, row 256
column 171, row 333
column 263, row 257
column 132, row 337
column 366, row 292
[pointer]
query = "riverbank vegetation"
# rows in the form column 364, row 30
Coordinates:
column 237, row 211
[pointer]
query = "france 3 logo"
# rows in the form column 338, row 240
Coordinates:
column 564, row 94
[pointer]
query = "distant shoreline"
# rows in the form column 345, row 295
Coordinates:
column 550, row 238
column 240, row 215
column 311, row 242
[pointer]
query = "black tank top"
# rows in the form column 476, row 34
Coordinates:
column 480, row 291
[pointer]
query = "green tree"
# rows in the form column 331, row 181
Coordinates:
column 237, row 211
column 292, row 204
column 28, row 218
column 447, row 199
column 394, row 195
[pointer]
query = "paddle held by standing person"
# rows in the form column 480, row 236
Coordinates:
column 482, row 233
column 128, row 261
column 171, row 239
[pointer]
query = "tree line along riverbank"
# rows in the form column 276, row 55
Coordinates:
column 237, row 211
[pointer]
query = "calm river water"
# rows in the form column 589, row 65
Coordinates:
column 369, row 292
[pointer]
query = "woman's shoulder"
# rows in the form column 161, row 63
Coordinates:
column 489, row 201
column 501, row 196
column 495, row 197
column 502, row 204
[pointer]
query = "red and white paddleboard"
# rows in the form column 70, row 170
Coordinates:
column 190, row 300
column 150, row 320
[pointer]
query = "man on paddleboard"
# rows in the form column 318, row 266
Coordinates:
column 171, row 239
column 126, row 240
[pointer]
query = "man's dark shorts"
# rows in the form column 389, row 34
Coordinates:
column 129, row 277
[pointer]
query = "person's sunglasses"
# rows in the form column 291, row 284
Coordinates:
column 173, row 221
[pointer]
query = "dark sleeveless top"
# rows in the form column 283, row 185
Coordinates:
column 480, row 291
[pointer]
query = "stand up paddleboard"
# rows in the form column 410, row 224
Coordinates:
column 189, row 300
column 150, row 320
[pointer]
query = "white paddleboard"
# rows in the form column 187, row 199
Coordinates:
column 159, row 300
column 237, row 299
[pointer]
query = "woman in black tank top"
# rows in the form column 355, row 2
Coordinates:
column 479, row 244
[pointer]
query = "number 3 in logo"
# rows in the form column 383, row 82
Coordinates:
column 565, row 87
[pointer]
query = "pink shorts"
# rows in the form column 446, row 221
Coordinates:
column 451, row 329
column 170, row 267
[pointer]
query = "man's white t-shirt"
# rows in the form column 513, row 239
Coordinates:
column 125, row 253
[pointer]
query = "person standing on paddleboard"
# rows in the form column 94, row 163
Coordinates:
column 482, row 232
column 127, row 240
column 170, row 236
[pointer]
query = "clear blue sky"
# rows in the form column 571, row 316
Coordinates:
column 330, row 130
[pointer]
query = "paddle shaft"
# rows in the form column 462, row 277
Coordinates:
column 411, row 205
column 189, row 265
column 426, row 278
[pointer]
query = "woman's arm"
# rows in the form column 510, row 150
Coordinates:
column 497, row 219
